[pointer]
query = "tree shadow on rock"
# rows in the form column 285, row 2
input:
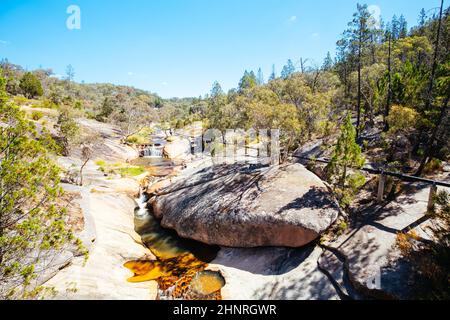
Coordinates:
column 267, row 261
column 315, row 199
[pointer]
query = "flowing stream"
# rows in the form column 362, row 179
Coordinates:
column 153, row 152
column 179, row 268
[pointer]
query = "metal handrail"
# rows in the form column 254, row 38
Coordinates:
column 387, row 173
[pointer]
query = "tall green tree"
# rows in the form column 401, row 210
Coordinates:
column 389, row 82
column 247, row 81
column 328, row 62
column 216, row 90
column 395, row 25
column 260, row 77
column 33, row 227
column 422, row 18
column 359, row 34
column 346, row 152
column 216, row 105
column 31, row 86
column 402, row 27
column 444, row 86
column 273, row 74
column 68, row 130
column 288, row 69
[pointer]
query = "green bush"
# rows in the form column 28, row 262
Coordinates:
column 132, row 139
column 36, row 115
column 100, row 162
column 78, row 105
column 31, row 86
column 48, row 104
column 433, row 166
column 402, row 119
column 141, row 137
column 33, row 221
column 131, row 171
column 342, row 227
column 21, row 101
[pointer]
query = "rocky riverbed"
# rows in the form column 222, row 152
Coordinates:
column 107, row 205
column 201, row 230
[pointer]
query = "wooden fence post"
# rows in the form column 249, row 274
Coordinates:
column 431, row 197
column 381, row 183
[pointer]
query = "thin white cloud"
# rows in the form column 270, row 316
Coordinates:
column 315, row 35
column 4, row 42
column 164, row 83
column 130, row 73
column 293, row 19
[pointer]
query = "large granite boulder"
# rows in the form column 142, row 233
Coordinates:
column 177, row 148
column 238, row 206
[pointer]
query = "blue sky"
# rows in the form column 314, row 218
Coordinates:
column 178, row 47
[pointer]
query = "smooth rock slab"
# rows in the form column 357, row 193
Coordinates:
column 272, row 274
column 236, row 206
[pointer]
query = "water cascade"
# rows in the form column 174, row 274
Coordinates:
column 141, row 210
column 153, row 152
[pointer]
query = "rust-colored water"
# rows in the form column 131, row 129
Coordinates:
column 207, row 282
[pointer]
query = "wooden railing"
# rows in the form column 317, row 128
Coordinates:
column 382, row 180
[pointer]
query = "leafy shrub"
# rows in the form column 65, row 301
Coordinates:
column 347, row 193
column 131, row 171
column 433, row 166
column 132, row 139
column 141, row 137
column 124, row 170
column 68, row 128
column 21, row 100
column 36, row 115
column 342, row 227
column 100, row 162
column 442, row 208
column 48, row 104
column 402, row 119
column 33, row 224
column 31, row 85
column 346, row 156
column 78, row 105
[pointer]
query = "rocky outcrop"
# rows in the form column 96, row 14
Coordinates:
column 272, row 274
column 112, row 243
column 237, row 206
column 108, row 232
